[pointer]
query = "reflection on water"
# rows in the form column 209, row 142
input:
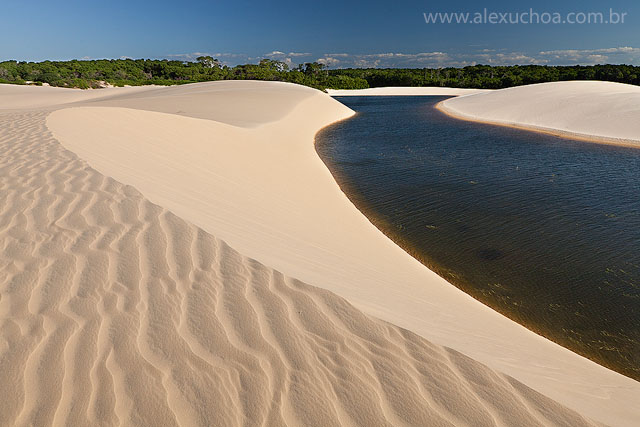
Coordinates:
column 543, row 229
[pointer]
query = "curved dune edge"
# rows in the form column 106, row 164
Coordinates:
column 312, row 232
column 596, row 114
column 114, row 311
column 540, row 129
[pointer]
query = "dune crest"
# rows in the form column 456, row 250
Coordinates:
column 114, row 311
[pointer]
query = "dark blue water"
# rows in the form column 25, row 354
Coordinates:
column 545, row 230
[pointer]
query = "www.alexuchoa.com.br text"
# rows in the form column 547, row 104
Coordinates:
column 527, row 17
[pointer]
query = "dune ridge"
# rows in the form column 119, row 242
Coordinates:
column 114, row 311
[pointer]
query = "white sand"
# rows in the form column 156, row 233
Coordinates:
column 404, row 91
column 114, row 311
column 18, row 97
column 591, row 110
column 264, row 191
column 144, row 317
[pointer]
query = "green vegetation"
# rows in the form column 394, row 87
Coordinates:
column 488, row 77
column 120, row 72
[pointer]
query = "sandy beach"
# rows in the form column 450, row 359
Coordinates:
column 604, row 112
column 181, row 256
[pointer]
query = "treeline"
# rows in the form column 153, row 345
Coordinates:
column 120, row 72
column 488, row 77
column 135, row 72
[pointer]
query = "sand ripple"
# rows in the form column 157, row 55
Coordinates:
column 114, row 311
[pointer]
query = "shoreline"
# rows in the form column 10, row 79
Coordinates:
column 460, row 93
column 589, row 111
column 406, row 91
column 389, row 229
column 539, row 129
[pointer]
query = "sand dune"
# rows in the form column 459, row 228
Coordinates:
column 261, row 188
column 114, row 311
column 404, row 91
column 241, row 106
column 590, row 110
column 18, row 97
column 120, row 307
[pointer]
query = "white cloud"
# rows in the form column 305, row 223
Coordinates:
column 186, row 56
column 614, row 55
column 194, row 55
column 510, row 58
column 329, row 61
column 436, row 59
column 276, row 54
column 287, row 58
column 385, row 59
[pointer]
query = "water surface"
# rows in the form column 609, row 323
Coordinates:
column 544, row 229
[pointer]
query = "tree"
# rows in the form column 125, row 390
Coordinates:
column 208, row 62
column 274, row 65
column 312, row 68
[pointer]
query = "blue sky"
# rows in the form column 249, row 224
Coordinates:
column 339, row 33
